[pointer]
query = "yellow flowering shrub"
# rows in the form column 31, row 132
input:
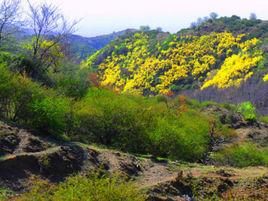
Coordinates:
column 234, row 70
column 141, row 64
column 265, row 78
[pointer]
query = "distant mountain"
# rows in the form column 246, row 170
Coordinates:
column 81, row 47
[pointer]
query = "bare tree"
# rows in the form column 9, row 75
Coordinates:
column 47, row 23
column 9, row 12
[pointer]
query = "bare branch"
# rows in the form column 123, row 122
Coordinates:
column 9, row 12
column 48, row 23
column 50, row 30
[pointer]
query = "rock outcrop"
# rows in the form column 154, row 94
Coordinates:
column 24, row 154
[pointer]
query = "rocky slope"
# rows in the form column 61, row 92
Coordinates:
column 256, row 132
column 25, row 155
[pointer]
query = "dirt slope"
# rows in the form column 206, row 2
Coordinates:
column 25, row 155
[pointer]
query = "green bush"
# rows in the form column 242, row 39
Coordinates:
column 85, row 189
column 6, row 57
column 16, row 94
column 51, row 113
column 173, row 128
column 242, row 155
column 74, row 86
column 247, row 110
column 264, row 119
column 114, row 120
column 7, row 92
column 141, row 125
column 184, row 137
column 4, row 194
column 27, row 103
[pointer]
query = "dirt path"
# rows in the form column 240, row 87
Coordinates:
column 242, row 134
column 155, row 174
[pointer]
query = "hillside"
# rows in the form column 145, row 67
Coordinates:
column 132, row 122
column 27, row 157
column 180, row 148
column 219, row 54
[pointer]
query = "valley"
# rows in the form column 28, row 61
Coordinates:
column 142, row 114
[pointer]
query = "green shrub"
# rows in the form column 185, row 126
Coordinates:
column 224, row 131
column 172, row 128
column 51, row 113
column 27, row 103
column 142, row 125
column 4, row 194
column 208, row 103
column 264, row 119
column 184, row 137
column 247, row 110
column 27, row 92
column 16, row 94
column 85, row 189
column 228, row 106
column 74, row 86
column 7, row 92
column 114, row 120
column 161, row 98
column 242, row 155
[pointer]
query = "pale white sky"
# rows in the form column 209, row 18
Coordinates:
column 106, row 16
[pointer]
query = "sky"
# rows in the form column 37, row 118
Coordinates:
column 106, row 16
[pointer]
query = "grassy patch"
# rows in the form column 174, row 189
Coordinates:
column 242, row 155
column 5, row 193
column 264, row 119
column 82, row 188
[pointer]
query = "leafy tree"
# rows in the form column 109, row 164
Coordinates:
column 193, row 25
column 199, row 21
column 50, row 52
column 50, row 29
column 159, row 29
column 234, row 24
column 145, row 28
column 247, row 110
column 213, row 15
